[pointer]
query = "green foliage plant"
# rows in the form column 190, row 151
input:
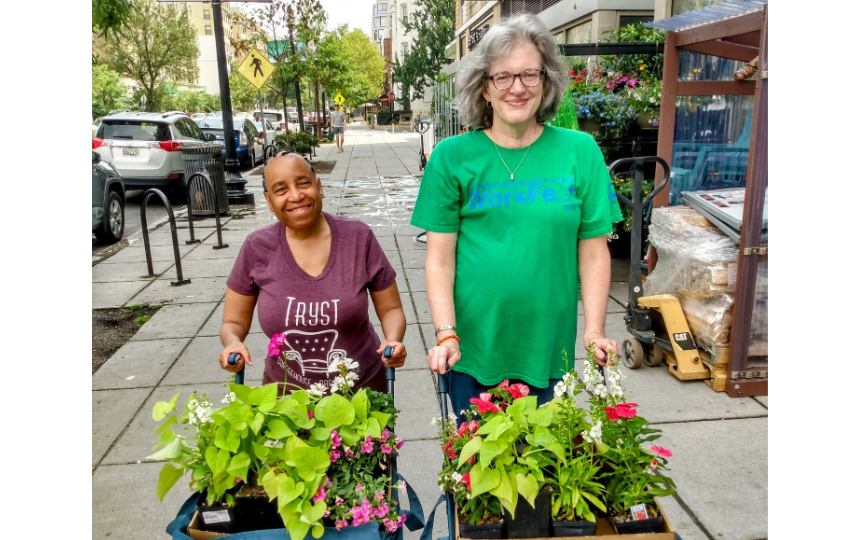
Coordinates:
column 303, row 143
column 624, row 186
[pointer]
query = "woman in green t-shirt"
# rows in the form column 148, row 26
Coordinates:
column 517, row 215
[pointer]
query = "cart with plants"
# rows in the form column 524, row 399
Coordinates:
column 312, row 462
column 575, row 466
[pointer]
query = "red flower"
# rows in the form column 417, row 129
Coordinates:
column 611, row 413
column 503, row 385
column 660, row 451
column 464, row 428
column 473, row 425
column 471, row 459
column 572, row 72
column 468, row 481
column 583, row 72
column 518, row 390
column 578, row 80
column 449, row 450
column 626, row 410
column 484, row 405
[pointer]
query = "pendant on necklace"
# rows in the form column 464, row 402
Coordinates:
column 512, row 177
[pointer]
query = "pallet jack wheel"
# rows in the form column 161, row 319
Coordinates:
column 655, row 358
column 632, row 353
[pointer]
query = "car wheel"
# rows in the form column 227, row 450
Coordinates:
column 113, row 225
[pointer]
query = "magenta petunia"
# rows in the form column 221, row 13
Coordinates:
column 367, row 445
column 320, row 495
column 385, row 435
column 275, row 344
column 398, row 443
column 385, row 447
column 335, row 439
column 348, row 451
column 334, row 455
column 341, row 523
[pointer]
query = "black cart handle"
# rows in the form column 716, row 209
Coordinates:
column 641, row 161
column 389, row 371
column 232, row 359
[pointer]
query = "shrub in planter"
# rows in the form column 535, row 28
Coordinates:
column 303, row 143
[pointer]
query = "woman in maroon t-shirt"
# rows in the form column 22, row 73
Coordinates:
column 309, row 275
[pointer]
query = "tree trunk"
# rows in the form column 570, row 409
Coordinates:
column 286, row 117
column 317, row 108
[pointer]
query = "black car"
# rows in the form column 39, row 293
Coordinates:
column 108, row 202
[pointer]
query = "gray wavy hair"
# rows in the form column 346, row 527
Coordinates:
column 471, row 80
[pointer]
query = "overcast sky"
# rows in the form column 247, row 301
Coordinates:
column 355, row 13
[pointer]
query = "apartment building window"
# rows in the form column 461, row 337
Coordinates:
column 463, row 45
column 382, row 8
column 208, row 29
column 515, row 7
column 207, row 14
column 403, row 13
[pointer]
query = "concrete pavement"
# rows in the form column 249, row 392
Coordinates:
column 719, row 443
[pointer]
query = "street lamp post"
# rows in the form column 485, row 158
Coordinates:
column 236, row 192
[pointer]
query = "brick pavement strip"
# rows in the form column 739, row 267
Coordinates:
column 720, row 466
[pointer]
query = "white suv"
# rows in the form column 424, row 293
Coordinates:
column 144, row 147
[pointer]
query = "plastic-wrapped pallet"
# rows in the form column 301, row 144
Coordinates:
column 697, row 264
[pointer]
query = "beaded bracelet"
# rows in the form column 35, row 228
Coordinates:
column 448, row 337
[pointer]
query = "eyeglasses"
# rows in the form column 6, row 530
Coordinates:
column 529, row 77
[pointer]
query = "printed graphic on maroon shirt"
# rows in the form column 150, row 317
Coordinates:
column 324, row 318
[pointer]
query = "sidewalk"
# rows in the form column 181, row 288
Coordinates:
column 719, row 443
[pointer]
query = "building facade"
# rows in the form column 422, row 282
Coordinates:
column 401, row 42
column 380, row 24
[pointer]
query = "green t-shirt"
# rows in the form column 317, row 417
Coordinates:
column 516, row 282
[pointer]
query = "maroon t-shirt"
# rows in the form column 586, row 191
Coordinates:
column 324, row 317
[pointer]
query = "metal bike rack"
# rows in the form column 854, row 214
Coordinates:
column 146, row 196
column 188, row 186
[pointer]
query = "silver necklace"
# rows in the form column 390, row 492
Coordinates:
column 503, row 160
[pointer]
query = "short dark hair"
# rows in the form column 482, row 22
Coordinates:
column 285, row 153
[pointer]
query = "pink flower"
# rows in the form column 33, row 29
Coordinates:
column 654, row 464
column 660, row 451
column 385, row 447
column 320, row 495
column 359, row 486
column 519, row 390
column 610, row 86
column 338, row 501
column 484, row 405
column 275, row 344
column 391, row 526
column 335, row 439
column 327, row 513
column 327, row 482
column 379, row 495
column 398, row 443
column 632, row 82
column 503, row 385
column 626, row 410
column 381, row 510
column 473, row 425
column 367, row 445
column 341, row 523
column 334, row 455
column 485, row 396
column 385, row 435
column 310, row 414
column 365, row 504
column 467, row 480
column 359, row 516
column 348, row 451
column 402, row 519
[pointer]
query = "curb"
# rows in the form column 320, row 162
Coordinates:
column 136, row 236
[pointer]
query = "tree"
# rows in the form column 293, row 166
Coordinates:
column 367, row 68
column 159, row 45
column 434, row 22
column 109, row 92
column 110, row 16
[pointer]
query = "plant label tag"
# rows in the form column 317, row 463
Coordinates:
column 638, row 512
column 215, row 516
column 273, row 444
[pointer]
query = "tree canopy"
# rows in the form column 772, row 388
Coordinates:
column 109, row 92
column 434, row 22
column 159, row 45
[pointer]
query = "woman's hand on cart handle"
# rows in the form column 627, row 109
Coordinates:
column 602, row 344
column 398, row 353
column 239, row 348
column 442, row 357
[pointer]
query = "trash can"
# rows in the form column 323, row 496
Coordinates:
column 205, row 158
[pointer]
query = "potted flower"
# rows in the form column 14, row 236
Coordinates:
column 498, row 455
column 645, row 101
column 632, row 473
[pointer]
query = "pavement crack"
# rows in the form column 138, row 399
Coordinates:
column 696, row 420
column 693, row 516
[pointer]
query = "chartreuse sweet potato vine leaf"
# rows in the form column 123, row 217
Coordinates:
column 163, row 408
column 338, row 412
column 483, row 480
column 168, row 476
column 470, row 449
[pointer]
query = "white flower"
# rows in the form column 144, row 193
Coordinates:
column 317, row 390
column 452, row 418
column 351, row 376
column 435, row 421
column 559, row 390
column 652, row 100
column 402, row 486
column 229, row 398
column 456, row 476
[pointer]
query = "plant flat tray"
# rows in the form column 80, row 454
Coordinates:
column 605, row 531
column 195, row 533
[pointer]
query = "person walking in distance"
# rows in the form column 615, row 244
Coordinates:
column 336, row 123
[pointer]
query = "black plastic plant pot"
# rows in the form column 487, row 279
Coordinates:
column 573, row 528
column 256, row 513
column 486, row 530
column 218, row 518
column 530, row 522
column 638, row 527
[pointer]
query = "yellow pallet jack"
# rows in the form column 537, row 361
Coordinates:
column 659, row 328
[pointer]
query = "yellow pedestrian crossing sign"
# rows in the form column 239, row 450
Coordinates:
column 256, row 68
column 339, row 99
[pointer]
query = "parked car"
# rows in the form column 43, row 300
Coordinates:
column 249, row 146
column 198, row 116
column 293, row 114
column 276, row 118
column 108, row 202
column 271, row 131
column 144, row 147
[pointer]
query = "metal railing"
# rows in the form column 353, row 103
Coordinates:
column 146, row 196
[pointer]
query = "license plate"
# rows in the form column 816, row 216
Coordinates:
column 130, row 151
